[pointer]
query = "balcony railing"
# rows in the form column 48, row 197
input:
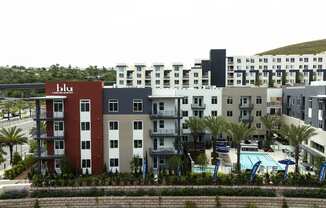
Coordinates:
column 163, row 132
column 163, row 151
column 246, row 119
column 45, row 156
column 164, row 114
column 194, row 146
column 198, row 106
column 47, row 137
column 246, row 106
column 45, row 116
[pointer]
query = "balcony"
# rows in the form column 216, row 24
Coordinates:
column 185, row 76
column 165, row 115
column 45, row 156
column 148, row 77
column 198, row 106
column 246, row 119
column 194, row 146
column 129, row 77
column 163, row 133
column 246, row 106
column 45, row 137
column 48, row 117
column 166, row 76
column 205, row 76
column 163, row 151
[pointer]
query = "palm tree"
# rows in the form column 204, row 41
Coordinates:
column 20, row 105
column 10, row 137
column 30, row 105
column 270, row 122
column 42, row 128
column 8, row 106
column 296, row 135
column 239, row 131
column 216, row 125
column 197, row 127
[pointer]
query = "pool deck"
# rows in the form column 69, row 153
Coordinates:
column 277, row 155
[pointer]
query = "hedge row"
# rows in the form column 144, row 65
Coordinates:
column 21, row 166
column 155, row 192
column 317, row 193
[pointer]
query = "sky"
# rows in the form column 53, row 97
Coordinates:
column 109, row 32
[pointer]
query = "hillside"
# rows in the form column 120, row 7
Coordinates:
column 311, row 47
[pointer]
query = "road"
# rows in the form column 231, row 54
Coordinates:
column 26, row 125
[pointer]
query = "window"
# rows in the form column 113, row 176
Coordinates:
column 161, row 141
column 86, row 144
column 138, row 125
column 138, row 144
column 59, row 144
column 258, row 113
column 185, row 100
column 195, row 81
column 176, row 82
column 138, row 82
column 229, row 113
column 258, row 100
column 258, row 125
column 161, row 123
column 310, row 103
column 214, row 99
column 161, row 106
column 229, row 100
column 317, row 146
column 84, row 105
column 113, row 125
column 185, row 113
column 114, row 143
column 85, row 126
column 176, row 74
column 121, row 82
column 58, row 106
column 138, row 105
column 58, row 126
column 114, row 162
column 184, row 126
column 86, row 163
column 157, row 82
column 214, row 113
column 195, row 74
column 113, row 105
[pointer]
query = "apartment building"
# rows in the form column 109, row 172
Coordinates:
column 202, row 74
column 306, row 105
column 245, row 104
column 73, row 112
column 275, row 70
column 95, row 126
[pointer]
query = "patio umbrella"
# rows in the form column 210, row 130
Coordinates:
column 286, row 162
column 322, row 172
column 254, row 171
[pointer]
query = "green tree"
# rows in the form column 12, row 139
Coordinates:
column 135, row 164
column 217, row 126
column 20, row 105
column 42, row 129
column 296, row 135
column 239, row 132
column 8, row 107
column 271, row 123
column 10, row 137
column 202, row 160
column 196, row 126
column 174, row 163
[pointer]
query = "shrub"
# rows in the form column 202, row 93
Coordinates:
column 19, row 168
column 14, row 194
column 16, row 158
column 315, row 193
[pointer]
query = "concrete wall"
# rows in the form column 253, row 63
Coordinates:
column 167, row 202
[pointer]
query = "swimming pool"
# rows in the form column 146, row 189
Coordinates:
column 248, row 159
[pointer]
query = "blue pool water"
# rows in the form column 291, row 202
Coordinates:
column 248, row 159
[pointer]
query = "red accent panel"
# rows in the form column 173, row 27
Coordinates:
column 81, row 90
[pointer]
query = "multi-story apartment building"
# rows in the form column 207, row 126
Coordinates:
column 307, row 105
column 95, row 126
column 275, row 70
column 73, row 114
column 205, row 73
column 246, row 104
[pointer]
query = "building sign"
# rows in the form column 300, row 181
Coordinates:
column 64, row 89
